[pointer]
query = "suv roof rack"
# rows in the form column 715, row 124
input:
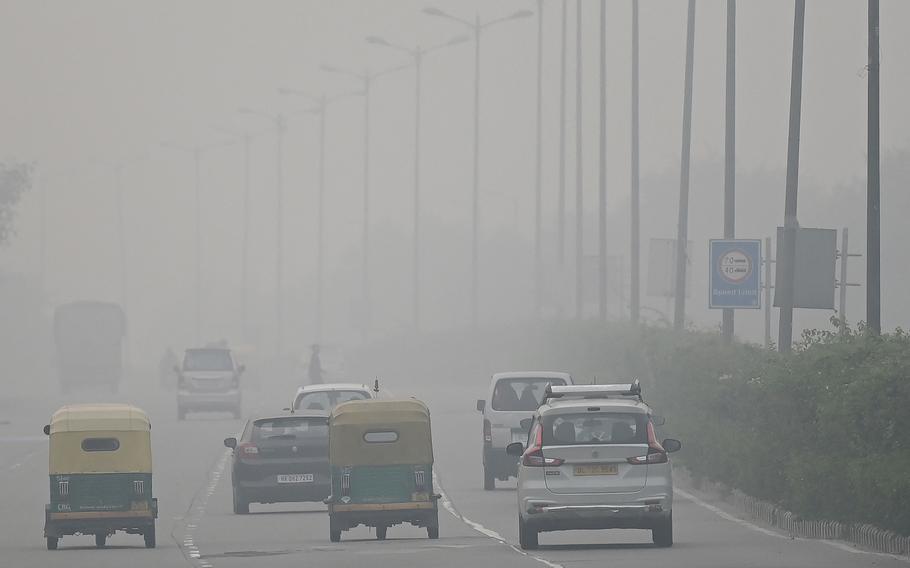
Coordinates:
column 622, row 390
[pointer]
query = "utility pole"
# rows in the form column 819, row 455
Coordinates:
column 121, row 234
column 842, row 303
column 280, row 129
column 682, row 232
column 788, row 259
column 245, row 252
column 579, row 182
column 602, row 174
column 635, row 224
column 418, row 60
column 873, row 181
column 538, row 188
column 365, row 236
column 768, row 262
column 197, row 175
column 320, row 222
column 727, row 325
column 475, row 183
column 561, row 205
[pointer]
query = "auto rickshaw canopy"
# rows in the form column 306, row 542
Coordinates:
column 360, row 433
column 100, row 438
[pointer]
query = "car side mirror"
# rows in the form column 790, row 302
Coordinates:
column 658, row 420
column 525, row 423
column 230, row 443
column 671, row 445
column 515, row 449
column 481, row 404
column 47, row 429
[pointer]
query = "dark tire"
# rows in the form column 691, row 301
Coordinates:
column 100, row 540
column 241, row 505
column 662, row 534
column 433, row 532
column 527, row 536
column 52, row 542
column 335, row 535
column 149, row 536
column 489, row 480
column 381, row 532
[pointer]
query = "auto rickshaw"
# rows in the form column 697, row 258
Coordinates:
column 100, row 465
column 381, row 460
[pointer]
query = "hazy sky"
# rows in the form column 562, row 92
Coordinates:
column 90, row 83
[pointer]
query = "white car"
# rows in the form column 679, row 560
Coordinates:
column 327, row 396
column 592, row 461
column 209, row 381
column 512, row 398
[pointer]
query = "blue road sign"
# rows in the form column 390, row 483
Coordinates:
column 735, row 279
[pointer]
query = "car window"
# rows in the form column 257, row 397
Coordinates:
column 595, row 428
column 521, row 394
column 346, row 396
column 314, row 401
column 208, row 360
column 289, row 428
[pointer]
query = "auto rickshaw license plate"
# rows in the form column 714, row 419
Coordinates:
column 296, row 478
column 604, row 469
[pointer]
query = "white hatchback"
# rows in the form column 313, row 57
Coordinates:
column 326, row 396
column 592, row 461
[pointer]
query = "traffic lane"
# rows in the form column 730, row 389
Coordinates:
column 703, row 539
column 182, row 456
column 293, row 534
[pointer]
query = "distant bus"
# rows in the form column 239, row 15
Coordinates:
column 89, row 340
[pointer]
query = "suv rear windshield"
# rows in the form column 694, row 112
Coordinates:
column 521, row 394
column 586, row 428
column 208, row 360
column 327, row 400
column 289, row 428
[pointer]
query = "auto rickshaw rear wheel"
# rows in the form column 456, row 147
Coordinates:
column 489, row 480
column 381, row 532
column 334, row 535
column 149, row 536
column 433, row 532
column 100, row 540
column 52, row 542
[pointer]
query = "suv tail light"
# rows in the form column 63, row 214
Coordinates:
column 533, row 456
column 248, row 451
column 656, row 452
column 487, row 433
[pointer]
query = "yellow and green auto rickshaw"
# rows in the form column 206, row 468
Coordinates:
column 100, row 469
column 381, row 458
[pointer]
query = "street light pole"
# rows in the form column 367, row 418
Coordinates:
column 538, row 183
column 579, row 180
column 727, row 324
column 602, row 163
column 873, row 179
column 635, row 253
column 197, row 176
column 561, row 205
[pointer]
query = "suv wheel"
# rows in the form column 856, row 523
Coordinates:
column 241, row 506
column 489, row 480
column 662, row 533
column 527, row 536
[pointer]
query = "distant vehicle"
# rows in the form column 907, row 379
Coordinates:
column 381, row 459
column 512, row 398
column 208, row 381
column 281, row 459
column 100, row 473
column 326, row 397
column 89, row 340
column 592, row 461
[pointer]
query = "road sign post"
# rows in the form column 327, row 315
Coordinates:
column 735, row 277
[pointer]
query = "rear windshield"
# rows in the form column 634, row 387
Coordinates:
column 289, row 428
column 208, row 360
column 595, row 428
column 521, row 394
column 327, row 400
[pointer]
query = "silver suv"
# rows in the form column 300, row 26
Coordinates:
column 209, row 380
column 592, row 461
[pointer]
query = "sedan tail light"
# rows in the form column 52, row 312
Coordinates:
column 248, row 451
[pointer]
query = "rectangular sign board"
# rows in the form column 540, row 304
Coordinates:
column 813, row 279
column 735, row 278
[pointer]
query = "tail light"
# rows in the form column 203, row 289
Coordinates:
column 248, row 451
column 138, row 486
column 656, row 452
column 346, row 483
column 487, row 433
column 533, row 456
column 63, row 489
column 420, row 479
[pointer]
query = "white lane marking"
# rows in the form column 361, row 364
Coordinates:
column 197, row 511
column 448, row 506
column 846, row 547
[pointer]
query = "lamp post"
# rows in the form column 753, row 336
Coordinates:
column 417, row 54
column 280, row 123
column 477, row 27
column 366, row 79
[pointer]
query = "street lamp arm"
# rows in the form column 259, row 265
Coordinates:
column 431, row 11
column 376, row 40
column 300, row 93
column 453, row 41
column 516, row 16
column 389, row 71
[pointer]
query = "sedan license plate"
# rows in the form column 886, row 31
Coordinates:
column 296, row 478
column 605, row 469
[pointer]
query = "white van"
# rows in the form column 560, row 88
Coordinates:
column 513, row 397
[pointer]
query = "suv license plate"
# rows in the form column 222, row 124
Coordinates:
column 605, row 469
column 296, row 478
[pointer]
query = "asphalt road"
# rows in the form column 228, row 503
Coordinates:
column 478, row 528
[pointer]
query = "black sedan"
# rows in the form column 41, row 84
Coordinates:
column 281, row 459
